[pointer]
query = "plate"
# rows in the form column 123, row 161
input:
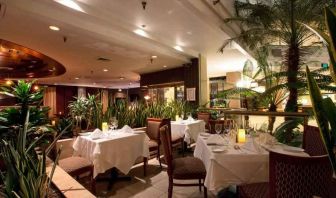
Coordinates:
column 293, row 149
column 205, row 134
column 219, row 150
column 139, row 131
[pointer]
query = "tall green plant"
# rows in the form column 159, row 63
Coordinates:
column 324, row 108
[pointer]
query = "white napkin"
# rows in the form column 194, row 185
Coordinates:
column 190, row 119
column 126, row 129
column 215, row 140
column 96, row 134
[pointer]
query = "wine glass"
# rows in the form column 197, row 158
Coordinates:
column 218, row 128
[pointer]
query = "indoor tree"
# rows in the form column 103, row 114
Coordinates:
column 274, row 22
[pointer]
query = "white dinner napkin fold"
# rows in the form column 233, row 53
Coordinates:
column 215, row 140
column 96, row 134
column 126, row 129
column 190, row 119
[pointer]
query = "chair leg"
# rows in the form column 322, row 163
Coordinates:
column 182, row 144
column 205, row 192
column 158, row 157
column 93, row 183
column 170, row 187
column 200, row 185
column 145, row 161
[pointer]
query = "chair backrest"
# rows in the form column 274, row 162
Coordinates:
column 205, row 116
column 293, row 176
column 167, row 148
column 312, row 141
column 213, row 123
column 153, row 128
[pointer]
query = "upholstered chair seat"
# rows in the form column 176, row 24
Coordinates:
column 188, row 168
column 72, row 164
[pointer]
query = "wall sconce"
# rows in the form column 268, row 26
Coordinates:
column 241, row 137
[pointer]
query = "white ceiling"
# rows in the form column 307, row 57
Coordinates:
column 106, row 28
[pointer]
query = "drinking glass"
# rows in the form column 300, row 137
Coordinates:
column 218, row 128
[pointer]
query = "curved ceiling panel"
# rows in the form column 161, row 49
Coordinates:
column 17, row 61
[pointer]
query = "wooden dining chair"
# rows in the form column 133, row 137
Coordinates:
column 74, row 165
column 153, row 132
column 186, row 168
column 312, row 141
column 177, row 141
column 205, row 116
column 292, row 176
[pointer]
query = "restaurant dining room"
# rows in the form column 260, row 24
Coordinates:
column 168, row 98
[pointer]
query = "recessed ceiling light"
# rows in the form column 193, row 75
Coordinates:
column 165, row 66
column 178, row 48
column 55, row 28
column 121, row 78
column 94, row 83
column 130, row 83
column 77, row 78
column 119, row 90
column 154, row 56
column 140, row 32
column 70, row 4
column 105, row 70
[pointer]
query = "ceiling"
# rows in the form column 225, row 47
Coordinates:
column 106, row 30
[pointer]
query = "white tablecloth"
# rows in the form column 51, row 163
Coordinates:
column 120, row 150
column 234, row 167
column 189, row 129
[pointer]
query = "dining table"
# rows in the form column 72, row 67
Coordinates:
column 189, row 129
column 113, row 149
column 229, row 163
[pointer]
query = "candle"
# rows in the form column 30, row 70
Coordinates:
column 53, row 122
column 104, row 127
column 177, row 117
column 241, row 136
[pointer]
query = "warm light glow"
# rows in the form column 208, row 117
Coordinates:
column 243, row 84
column 141, row 32
column 260, row 89
column 36, row 87
column 164, row 66
column 119, row 90
column 104, row 127
column 177, row 117
column 121, row 78
column 147, row 97
column 254, row 84
column 54, row 28
column 8, row 82
column 70, row 4
column 53, row 123
column 178, row 48
column 154, row 56
column 77, row 78
column 241, row 136
column 105, row 70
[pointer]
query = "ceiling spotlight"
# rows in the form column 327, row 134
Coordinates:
column 105, row 70
column 144, row 4
column 140, row 32
column 77, row 78
column 130, row 83
column 70, row 4
column 119, row 90
column 154, row 57
column 54, row 28
column 164, row 66
column 121, row 78
column 214, row 2
column 178, row 48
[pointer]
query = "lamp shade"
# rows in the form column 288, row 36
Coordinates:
column 241, row 136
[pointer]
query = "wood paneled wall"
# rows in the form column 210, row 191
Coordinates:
column 187, row 73
column 64, row 94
